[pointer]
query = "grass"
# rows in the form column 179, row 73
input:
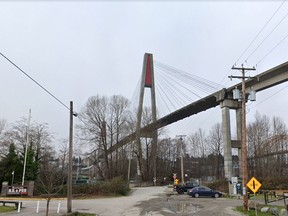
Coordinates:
column 6, row 209
column 252, row 212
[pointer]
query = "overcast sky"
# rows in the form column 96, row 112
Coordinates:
column 77, row 49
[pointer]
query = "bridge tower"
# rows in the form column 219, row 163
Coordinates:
column 147, row 81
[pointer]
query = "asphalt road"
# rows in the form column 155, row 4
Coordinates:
column 146, row 201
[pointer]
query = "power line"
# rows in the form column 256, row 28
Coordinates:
column 41, row 86
column 269, row 97
column 272, row 49
column 259, row 33
column 266, row 37
column 37, row 83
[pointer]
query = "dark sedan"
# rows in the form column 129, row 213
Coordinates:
column 203, row 191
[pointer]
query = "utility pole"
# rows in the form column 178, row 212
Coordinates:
column 243, row 137
column 129, row 163
column 69, row 189
column 181, row 156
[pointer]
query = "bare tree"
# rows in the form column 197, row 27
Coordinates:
column 198, row 144
column 3, row 124
column 50, row 182
column 215, row 140
column 5, row 141
column 63, row 153
column 167, row 157
column 257, row 133
column 118, row 118
column 104, row 124
column 279, row 146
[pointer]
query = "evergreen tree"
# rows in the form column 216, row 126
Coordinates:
column 32, row 165
column 11, row 165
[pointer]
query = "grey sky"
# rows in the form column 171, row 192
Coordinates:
column 79, row 49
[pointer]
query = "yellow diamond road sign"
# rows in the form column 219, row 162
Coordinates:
column 254, row 185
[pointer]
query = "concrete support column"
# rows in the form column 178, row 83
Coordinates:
column 227, row 142
column 239, row 137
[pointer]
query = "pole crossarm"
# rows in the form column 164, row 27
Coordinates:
column 267, row 79
column 262, row 81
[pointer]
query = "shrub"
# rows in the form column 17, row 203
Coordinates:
column 220, row 185
column 117, row 186
column 272, row 183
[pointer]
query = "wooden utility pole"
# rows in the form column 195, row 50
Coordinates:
column 181, row 157
column 69, row 189
column 243, row 137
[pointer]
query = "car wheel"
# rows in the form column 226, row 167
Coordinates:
column 216, row 195
column 181, row 191
column 196, row 195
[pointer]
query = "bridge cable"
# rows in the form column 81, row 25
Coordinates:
column 191, row 78
column 184, row 88
column 173, row 91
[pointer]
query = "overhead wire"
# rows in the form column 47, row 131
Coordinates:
column 271, row 50
column 254, row 105
column 266, row 37
column 38, row 84
column 254, row 39
column 257, row 35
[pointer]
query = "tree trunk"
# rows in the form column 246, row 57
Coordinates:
column 47, row 206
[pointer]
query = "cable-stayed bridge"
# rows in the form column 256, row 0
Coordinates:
column 222, row 97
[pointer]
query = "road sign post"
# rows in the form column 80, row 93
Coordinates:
column 254, row 186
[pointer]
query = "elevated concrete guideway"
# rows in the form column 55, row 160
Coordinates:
column 267, row 79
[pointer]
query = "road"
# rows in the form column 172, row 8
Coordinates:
column 122, row 206
column 146, row 201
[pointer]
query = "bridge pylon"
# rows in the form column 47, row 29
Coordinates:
column 147, row 81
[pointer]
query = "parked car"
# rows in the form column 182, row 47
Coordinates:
column 203, row 191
